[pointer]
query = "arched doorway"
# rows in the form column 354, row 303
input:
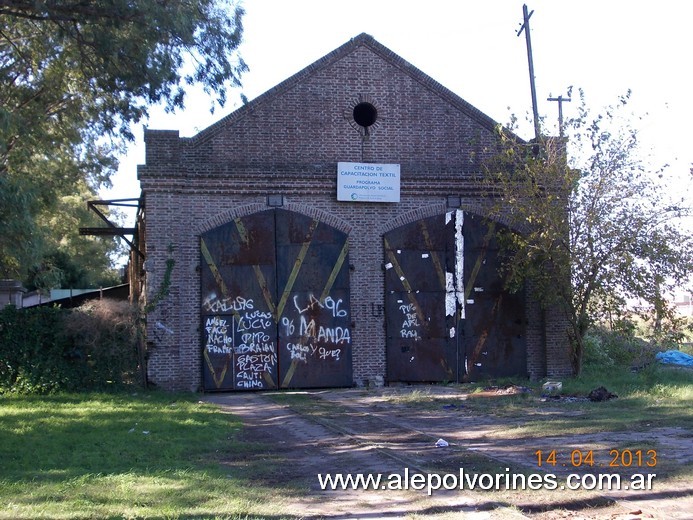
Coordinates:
column 448, row 314
column 275, row 303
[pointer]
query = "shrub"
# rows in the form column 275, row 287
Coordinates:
column 608, row 348
column 34, row 352
column 103, row 334
column 47, row 349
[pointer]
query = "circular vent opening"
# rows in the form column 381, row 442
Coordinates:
column 365, row 114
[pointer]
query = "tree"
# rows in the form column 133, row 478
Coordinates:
column 74, row 76
column 593, row 228
column 71, row 260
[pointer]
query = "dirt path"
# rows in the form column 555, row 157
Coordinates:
column 300, row 448
column 357, row 431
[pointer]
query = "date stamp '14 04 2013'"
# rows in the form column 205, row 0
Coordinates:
column 616, row 458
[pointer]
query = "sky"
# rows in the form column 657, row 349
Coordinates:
column 605, row 47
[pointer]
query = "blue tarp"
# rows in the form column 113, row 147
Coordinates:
column 675, row 357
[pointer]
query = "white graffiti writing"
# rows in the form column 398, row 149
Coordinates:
column 256, row 353
column 249, row 380
column 301, row 352
column 218, row 340
column 410, row 320
column 325, row 334
column 256, row 362
column 255, row 342
column 288, row 325
column 410, row 324
column 246, row 338
column 256, row 320
column 251, row 348
column 334, row 306
column 254, row 338
column 329, row 353
column 308, row 327
column 229, row 304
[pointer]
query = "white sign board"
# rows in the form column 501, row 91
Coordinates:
column 367, row 182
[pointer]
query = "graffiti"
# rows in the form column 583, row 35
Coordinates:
column 330, row 304
column 245, row 343
column 301, row 352
column 335, row 334
column 288, row 326
column 334, row 306
column 329, row 354
column 287, row 311
column 311, row 332
column 255, row 362
column 249, row 380
column 255, row 338
column 163, row 327
column 316, row 328
column 218, row 339
column 256, row 320
column 256, row 355
column 410, row 323
column 229, row 304
column 377, row 310
column 311, row 327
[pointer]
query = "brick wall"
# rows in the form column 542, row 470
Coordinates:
column 288, row 142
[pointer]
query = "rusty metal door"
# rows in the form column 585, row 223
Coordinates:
column 313, row 309
column 419, row 347
column 238, row 290
column 275, row 303
column 493, row 331
column 448, row 317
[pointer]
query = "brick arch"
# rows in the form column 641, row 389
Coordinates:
column 242, row 211
column 226, row 216
column 482, row 210
column 320, row 215
column 438, row 209
column 413, row 216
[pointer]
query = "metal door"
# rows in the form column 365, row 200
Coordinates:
column 275, row 303
column 492, row 333
column 313, row 305
column 419, row 347
column 448, row 316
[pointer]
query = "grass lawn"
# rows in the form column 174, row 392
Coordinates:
column 658, row 396
column 655, row 399
column 140, row 455
column 166, row 456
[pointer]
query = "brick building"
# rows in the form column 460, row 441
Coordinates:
column 331, row 233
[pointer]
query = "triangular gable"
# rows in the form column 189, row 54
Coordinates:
column 362, row 40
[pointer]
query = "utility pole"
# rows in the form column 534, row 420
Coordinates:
column 525, row 28
column 560, row 100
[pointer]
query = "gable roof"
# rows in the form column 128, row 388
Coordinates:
column 362, row 40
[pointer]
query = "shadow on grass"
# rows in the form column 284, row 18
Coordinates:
column 104, row 455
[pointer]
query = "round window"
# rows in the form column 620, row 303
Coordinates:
column 365, row 114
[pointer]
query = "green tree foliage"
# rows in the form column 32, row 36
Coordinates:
column 594, row 227
column 70, row 260
column 74, row 76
